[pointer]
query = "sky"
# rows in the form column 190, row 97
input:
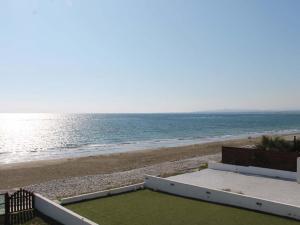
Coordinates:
column 149, row 55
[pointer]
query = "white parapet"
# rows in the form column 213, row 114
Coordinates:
column 58, row 212
column 100, row 194
column 255, row 170
column 298, row 170
column 223, row 197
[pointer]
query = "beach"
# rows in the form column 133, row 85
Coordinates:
column 55, row 177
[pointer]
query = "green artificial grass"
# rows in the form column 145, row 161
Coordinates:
column 152, row 208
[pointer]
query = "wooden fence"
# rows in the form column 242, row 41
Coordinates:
column 260, row 158
column 19, row 201
column 19, row 207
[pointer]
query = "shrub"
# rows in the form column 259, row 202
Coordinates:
column 278, row 144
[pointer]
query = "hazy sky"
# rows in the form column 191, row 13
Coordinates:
column 149, row 55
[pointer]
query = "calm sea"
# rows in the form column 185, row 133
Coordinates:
column 27, row 137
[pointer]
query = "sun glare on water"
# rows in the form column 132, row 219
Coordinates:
column 23, row 133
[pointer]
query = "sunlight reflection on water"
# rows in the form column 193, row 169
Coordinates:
column 27, row 137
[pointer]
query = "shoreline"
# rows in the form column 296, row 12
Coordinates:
column 54, row 161
column 182, row 143
column 24, row 174
column 94, row 150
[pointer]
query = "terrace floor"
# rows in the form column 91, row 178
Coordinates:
column 271, row 189
column 148, row 208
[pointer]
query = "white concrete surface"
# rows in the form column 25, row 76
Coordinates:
column 220, row 196
column 253, row 170
column 298, row 170
column 58, row 212
column 100, row 194
column 287, row 192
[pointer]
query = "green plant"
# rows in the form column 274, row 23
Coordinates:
column 203, row 166
column 278, row 144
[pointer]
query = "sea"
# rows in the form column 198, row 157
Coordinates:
column 30, row 137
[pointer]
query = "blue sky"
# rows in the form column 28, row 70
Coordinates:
column 149, row 55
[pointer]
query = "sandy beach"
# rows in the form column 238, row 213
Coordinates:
column 39, row 175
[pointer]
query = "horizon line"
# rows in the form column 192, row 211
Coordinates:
column 171, row 112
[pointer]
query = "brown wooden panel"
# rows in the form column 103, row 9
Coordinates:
column 260, row 158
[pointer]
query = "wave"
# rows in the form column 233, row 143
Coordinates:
column 79, row 150
column 161, row 143
column 172, row 142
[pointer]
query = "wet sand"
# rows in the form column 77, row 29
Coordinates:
column 23, row 174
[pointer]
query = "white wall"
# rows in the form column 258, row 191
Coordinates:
column 58, row 212
column 298, row 170
column 100, row 194
column 254, row 170
column 223, row 197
